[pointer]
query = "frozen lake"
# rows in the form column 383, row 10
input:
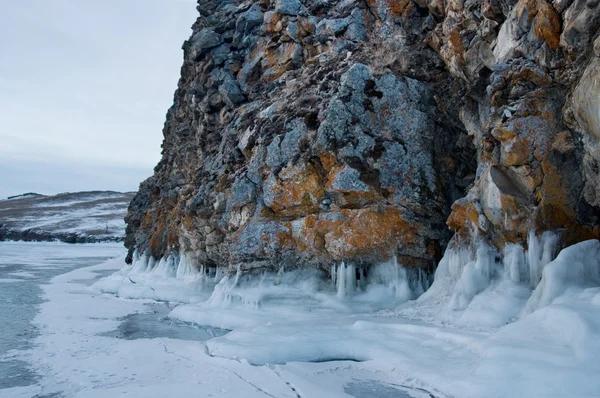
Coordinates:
column 23, row 268
column 78, row 325
column 43, row 354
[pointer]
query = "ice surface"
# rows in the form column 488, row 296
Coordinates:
column 478, row 331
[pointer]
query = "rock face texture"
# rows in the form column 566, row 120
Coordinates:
column 307, row 132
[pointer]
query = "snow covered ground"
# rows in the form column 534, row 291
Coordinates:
column 491, row 325
column 80, row 216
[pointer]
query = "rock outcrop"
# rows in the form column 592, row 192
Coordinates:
column 307, row 132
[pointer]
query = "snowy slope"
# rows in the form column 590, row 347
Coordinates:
column 70, row 217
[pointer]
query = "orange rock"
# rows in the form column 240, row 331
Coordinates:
column 556, row 209
column 271, row 22
column 278, row 60
column 399, row 6
column 516, row 144
column 453, row 52
column 458, row 217
column 297, row 192
column 328, row 160
column 516, row 152
column 464, row 217
column 504, row 203
column 351, row 234
column 545, row 20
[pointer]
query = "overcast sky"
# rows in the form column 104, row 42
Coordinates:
column 84, row 89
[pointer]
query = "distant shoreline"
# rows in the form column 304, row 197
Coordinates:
column 8, row 235
column 73, row 217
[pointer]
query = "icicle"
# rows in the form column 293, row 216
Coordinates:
column 151, row 264
column 219, row 274
column 476, row 277
column 185, row 268
column 401, row 285
column 141, row 264
column 279, row 275
column 350, row 279
column 346, row 279
column 486, row 261
column 362, row 282
column 136, row 256
column 419, row 287
column 534, row 258
column 341, row 280
column 550, row 243
column 452, row 264
column 541, row 252
column 159, row 269
column 238, row 275
column 333, row 275
column 171, row 268
column 515, row 266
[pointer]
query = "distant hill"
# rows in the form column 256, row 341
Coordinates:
column 78, row 217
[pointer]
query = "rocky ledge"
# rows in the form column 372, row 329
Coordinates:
column 309, row 132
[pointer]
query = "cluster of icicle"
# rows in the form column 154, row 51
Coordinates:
column 405, row 283
column 174, row 266
column 465, row 272
column 462, row 274
column 226, row 293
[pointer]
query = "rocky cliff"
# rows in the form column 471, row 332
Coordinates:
column 307, row 132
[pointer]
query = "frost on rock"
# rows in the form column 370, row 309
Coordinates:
column 472, row 286
column 576, row 266
column 482, row 287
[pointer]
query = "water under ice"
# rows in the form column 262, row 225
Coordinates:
column 511, row 324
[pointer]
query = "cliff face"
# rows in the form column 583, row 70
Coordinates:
column 311, row 132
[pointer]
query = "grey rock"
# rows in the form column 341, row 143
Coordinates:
column 242, row 192
column 293, row 32
column 356, row 30
column 268, row 190
column 288, row 7
column 290, row 145
column 221, row 53
column 249, row 19
column 249, row 73
column 333, row 27
column 274, row 158
column 356, row 77
column 220, row 203
column 258, row 240
column 204, row 40
column 231, row 91
column 348, row 179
